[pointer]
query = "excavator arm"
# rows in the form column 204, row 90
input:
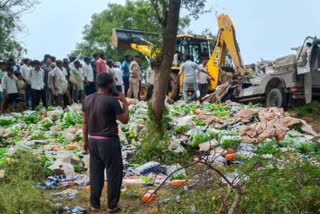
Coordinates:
column 132, row 39
column 226, row 40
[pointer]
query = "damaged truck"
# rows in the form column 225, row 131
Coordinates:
column 294, row 79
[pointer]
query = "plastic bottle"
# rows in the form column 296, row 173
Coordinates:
column 230, row 157
column 177, row 183
column 186, row 188
column 149, row 167
column 71, row 146
column 149, row 196
column 66, row 183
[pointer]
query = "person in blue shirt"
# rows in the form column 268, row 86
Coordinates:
column 126, row 74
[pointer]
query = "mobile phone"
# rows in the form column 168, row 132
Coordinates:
column 114, row 92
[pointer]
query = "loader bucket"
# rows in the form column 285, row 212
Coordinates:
column 123, row 38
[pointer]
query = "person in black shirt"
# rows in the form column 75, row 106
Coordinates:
column 100, row 134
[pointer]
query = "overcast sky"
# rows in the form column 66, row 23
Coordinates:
column 265, row 28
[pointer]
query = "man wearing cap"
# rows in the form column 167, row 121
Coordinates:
column 88, row 76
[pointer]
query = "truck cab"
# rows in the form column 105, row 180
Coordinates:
column 291, row 80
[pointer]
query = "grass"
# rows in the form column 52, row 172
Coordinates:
column 307, row 110
column 18, row 190
column 130, row 201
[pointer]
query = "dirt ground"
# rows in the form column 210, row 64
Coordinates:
column 130, row 201
column 314, row 122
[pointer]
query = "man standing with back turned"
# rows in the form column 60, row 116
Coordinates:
column 190, row 78
column 100, row 134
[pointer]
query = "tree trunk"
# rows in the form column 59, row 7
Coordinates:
column 163, row 70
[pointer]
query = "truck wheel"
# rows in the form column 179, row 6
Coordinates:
column 276, row 97
column 143, row 91
column 174, row 86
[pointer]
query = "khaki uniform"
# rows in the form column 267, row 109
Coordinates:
column 134, row 80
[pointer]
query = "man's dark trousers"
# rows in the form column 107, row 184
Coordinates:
column 38, row 95
column 126, row 84
column 91, row 88
column 105, row 154
column 27, row 96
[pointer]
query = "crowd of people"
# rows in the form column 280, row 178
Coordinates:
column 53, row 82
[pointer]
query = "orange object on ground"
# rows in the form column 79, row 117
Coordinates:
column 279, row 137
column 56, row 149
column 177, row 183
column 149, row 196
column 197, row 111
column 133, row 177
column 230, row 151
column 88, row 188
column 69, row 183
column 71, row 146
column 230, row 157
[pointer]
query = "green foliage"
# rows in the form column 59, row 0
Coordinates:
column 155, row 142
column 137, row 14
column 18, row 193
column 268, row 146
column 38, row 136
column 10, row 12
column 288, row 186
column 46, row 124
column 219, row 109
column 230, row 141
column 3, row 155
column 311, row 110
column 179, row 176
column 72, row 118
column 198, row 122
column 181, row 129
column 198, row 138
column 292, row 188
column 31, row 119
column 6, row 121
column 308, row 147
column 185, row 109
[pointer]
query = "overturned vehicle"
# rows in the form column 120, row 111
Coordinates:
column 292, row 79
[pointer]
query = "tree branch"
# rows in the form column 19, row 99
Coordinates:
column 236, row 200
column 225, row 200
column 155, row 5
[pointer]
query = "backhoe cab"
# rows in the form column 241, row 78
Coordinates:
column 196, row 46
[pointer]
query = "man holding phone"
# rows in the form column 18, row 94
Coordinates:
column 100, row 134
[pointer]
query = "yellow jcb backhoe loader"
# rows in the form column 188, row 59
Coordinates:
column 189, row 44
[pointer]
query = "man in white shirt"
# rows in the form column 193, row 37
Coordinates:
column 88, row 76
column 25, row 72
column 76, row 78
column 118, row 73
column 36, row 79
column 3, row 67
column 150, row 81
column 202, row 77
column 46, row 67
column 189, row 68
column 10, row 90
column 58, row 84
column 135, row 78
